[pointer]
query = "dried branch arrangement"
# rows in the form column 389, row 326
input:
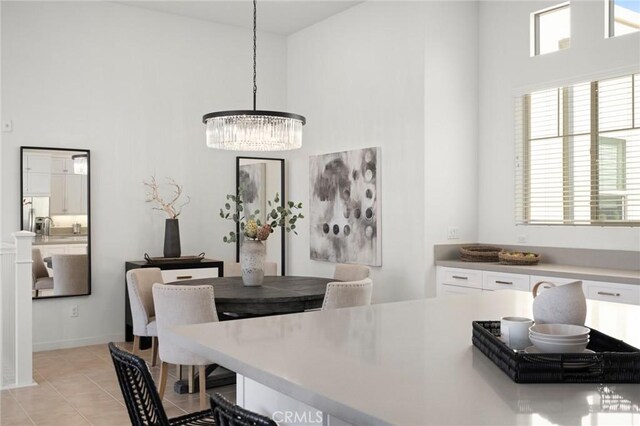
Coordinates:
column 169, row 207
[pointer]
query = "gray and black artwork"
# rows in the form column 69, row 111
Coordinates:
column 344, row 207
column 252, row 179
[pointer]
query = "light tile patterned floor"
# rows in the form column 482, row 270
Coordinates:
column 78, row 386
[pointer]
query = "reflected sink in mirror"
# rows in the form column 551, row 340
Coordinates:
column 55, row 206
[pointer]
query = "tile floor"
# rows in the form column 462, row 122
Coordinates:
column 78, row 386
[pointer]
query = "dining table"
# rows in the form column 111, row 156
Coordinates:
column 277, row 295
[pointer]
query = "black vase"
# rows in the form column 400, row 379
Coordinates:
column 171, row 238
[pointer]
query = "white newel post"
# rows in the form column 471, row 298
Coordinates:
column 23, row 313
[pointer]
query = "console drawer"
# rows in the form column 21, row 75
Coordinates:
column 170, row 275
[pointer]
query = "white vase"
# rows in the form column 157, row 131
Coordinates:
column 252, row 254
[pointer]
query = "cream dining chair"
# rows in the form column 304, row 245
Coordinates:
column 351, row 272
column 70, row 274
column 139, row 285
column 182, row 305
column 348, row 294
column 40, row 275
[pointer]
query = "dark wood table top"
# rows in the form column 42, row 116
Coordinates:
column 275, row 296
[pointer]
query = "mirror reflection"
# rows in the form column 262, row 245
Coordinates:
column 261, row 179
column 55, row 206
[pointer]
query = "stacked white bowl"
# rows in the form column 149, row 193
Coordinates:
column 559, row 338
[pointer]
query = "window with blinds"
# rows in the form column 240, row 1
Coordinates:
column 578, row 154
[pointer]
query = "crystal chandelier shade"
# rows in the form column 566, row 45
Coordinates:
column 254, row 130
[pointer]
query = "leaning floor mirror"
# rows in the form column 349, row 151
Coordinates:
column 55, row 206
column 259, row 180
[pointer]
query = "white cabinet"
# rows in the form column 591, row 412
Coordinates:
column 36, row 178
column 612, row 292
column 504, row 281
column 458, row 281
column 61, row 165
column 68, row 194
column 170, row 275
column 467, row 281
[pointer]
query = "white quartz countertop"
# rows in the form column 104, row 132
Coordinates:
column 413, row 363
column 59, row 239
column 623, row 276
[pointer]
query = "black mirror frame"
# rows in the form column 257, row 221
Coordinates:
column 88, row 152
column 282, row 203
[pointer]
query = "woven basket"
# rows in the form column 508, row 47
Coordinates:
column 510, row 258
column 479, row 253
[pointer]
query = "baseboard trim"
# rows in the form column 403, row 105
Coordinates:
column 74, row 343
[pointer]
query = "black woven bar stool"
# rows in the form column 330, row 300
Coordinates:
column 226, row 413
column 141, row 396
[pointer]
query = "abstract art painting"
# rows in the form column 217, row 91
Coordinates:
column 253, row 186
column 344, row 207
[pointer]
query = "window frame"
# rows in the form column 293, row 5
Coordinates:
column 610, row 20
column 523, row 159
column 534, row 35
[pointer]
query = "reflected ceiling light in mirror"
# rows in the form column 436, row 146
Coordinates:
column 254, row 130
column 80, row 164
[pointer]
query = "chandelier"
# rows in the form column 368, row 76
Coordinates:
column 254, row 130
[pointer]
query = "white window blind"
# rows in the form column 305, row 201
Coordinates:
column 578, row 154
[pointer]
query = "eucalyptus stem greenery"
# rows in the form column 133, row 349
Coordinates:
column 285, row 217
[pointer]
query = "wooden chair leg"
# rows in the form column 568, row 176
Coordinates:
column 163, row 378
column 202, row 380
column 190, row 377
column 136, row 345
column 154, row 351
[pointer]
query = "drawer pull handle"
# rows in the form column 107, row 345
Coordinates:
column 504, row 282
column 606, row 293
column 458, row 277
column 184, row 277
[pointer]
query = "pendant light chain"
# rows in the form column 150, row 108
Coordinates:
column 255, row 85
column 254, row 130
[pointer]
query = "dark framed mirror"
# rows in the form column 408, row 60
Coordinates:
column 261, row 178
column 55, row 205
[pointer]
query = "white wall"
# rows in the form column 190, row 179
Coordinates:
column 505, row 70
column 401, row 76
column 131, row 85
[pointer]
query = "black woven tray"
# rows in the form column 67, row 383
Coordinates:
column 613, row 361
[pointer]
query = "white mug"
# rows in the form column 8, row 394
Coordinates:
column 515, row 331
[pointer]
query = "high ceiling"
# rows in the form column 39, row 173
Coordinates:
column 280, row 17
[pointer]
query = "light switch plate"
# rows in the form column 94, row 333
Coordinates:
column 453, row 233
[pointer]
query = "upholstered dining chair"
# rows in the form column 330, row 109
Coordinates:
column 225, row 413
column 70, row 274
column 348, row 294
column 182, row 305
column 141, row 396
column 351, row 272
column 233, row 269
column 40, row 276
column 139, row 286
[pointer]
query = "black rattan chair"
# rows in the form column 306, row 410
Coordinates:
column 140, row 394
column 226, row 413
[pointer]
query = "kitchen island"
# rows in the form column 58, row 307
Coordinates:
column 405, row 363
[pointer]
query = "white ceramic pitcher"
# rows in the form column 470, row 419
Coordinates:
column 563, row 304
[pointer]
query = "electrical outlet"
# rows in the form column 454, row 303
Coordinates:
column 74, row 311
column 453, row 233
column 521, row 238
column 7, row 126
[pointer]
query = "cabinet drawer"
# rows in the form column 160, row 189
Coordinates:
column 611, row 292
column 502, row 281
column 461, row 277
column 534, row 279
column 448, row 290
column 170, row 275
